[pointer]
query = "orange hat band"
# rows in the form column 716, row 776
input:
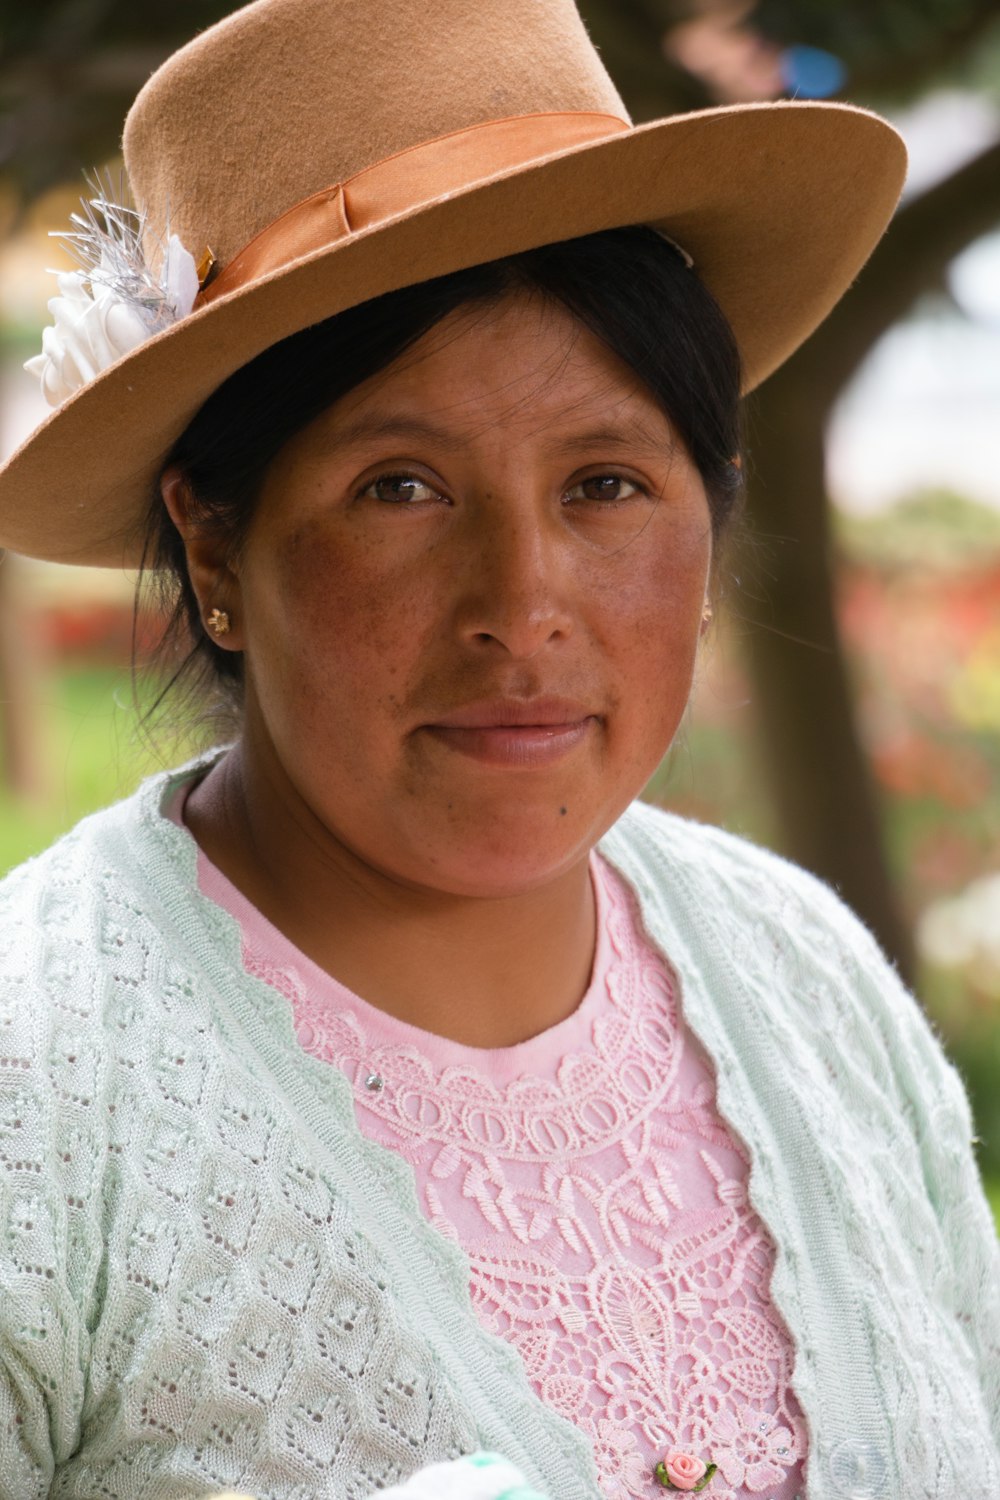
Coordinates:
column 433, row 169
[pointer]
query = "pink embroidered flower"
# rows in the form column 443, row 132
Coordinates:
column 621, row 1466
column 751, row 1449
column 682, row 1469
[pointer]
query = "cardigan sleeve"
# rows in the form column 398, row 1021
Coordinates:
column 909, row 1106
column 33, row 1380
column 52, row 1149
column 888, row 1039
column 968, row 1281
column 43, row 1339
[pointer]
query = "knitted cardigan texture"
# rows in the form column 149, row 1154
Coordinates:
column 209, row 1279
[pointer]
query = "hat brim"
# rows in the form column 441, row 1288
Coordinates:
column 779, row 205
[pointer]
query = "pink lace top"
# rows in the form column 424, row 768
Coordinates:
column 599, row 1197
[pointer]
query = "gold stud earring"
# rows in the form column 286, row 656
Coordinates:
column 218, row 622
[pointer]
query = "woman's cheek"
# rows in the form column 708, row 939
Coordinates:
column 346, row 596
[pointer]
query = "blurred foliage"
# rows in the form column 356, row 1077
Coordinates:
column 893, row 50
column 992, row 1186
column 974, row 1048
column 933, row 528
column 891, row 47
column 69, row 69
column 95, row 753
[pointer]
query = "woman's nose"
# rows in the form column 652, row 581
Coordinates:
column 516, row 594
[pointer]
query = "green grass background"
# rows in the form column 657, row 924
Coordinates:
column 93, row 753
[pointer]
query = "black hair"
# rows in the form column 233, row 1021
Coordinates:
column 630, row 287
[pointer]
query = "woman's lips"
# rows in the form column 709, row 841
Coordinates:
column 515, row 731
column 514, row 744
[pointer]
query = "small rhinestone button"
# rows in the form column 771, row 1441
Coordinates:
column 373, row 1083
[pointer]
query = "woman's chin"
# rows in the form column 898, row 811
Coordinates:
column 499, row 862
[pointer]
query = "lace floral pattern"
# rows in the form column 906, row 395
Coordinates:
column 603, row 1210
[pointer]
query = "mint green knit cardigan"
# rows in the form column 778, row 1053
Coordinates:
column 209, row 1279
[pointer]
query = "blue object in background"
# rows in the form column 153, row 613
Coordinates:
column 811, row 73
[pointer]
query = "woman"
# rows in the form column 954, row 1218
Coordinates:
column 403, row 996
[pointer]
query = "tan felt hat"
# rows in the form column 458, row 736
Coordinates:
column 328, row 151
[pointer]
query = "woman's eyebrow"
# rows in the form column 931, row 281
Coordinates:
column 383, row 425
column 631, row 434
column 627, row 434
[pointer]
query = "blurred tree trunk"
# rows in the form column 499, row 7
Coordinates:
column 815, row 764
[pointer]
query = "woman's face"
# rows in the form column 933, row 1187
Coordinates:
column 470, row 603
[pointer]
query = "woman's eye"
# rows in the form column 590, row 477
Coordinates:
column 606, row 488
column 400, row 489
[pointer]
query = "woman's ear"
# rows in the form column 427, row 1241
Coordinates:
column 213, row 579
